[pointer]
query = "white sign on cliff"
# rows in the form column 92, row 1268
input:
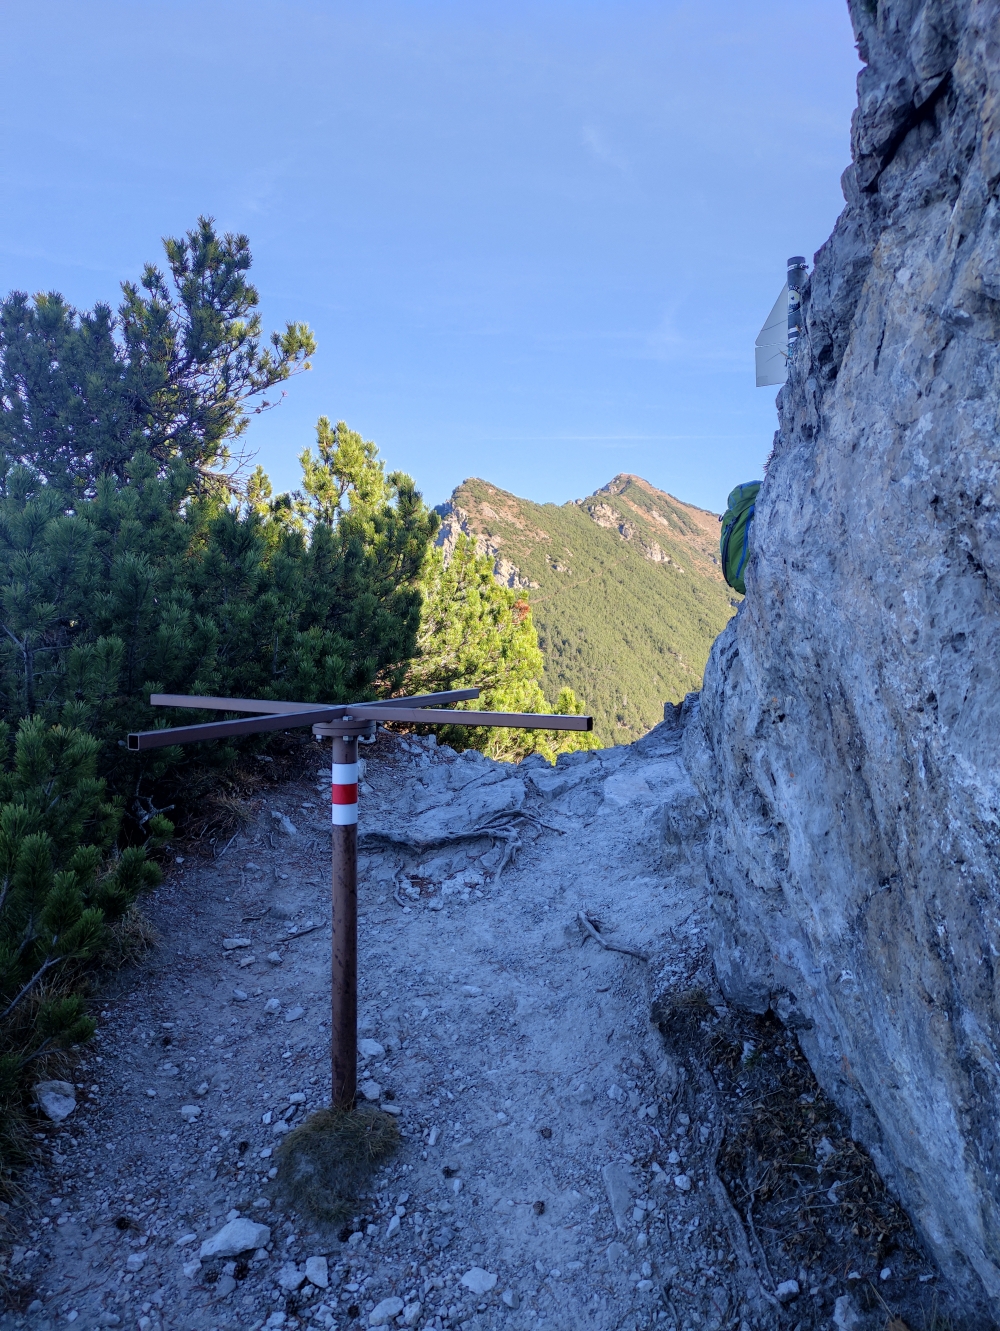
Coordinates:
column 771, row 347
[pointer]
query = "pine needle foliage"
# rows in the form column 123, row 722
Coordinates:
column 177, row 373
column 325, row 1163
column 61, row 885
column 133, row 561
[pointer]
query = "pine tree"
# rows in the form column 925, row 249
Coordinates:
column 475, row 632
column 175, row 374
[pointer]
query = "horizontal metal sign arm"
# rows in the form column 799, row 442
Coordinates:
column 421, row 700
column 276, row 708
column 260, row 705
column 434, row 717
column 253, row 725
column 412, row 710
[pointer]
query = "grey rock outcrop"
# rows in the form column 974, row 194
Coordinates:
column 847, row 739
column 455, row 523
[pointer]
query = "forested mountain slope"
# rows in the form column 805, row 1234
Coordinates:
column 625, row 589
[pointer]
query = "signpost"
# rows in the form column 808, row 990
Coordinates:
column 344, row 724
column 777, row 340
column 797, row 272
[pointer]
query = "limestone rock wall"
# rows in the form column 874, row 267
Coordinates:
column 848, row 738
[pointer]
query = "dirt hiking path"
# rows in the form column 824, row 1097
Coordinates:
column 555, row 1171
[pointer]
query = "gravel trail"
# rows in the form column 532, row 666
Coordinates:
column 548, row 1177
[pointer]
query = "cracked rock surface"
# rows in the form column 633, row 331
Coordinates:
column 849, row 724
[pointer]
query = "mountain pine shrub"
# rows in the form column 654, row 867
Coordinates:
column 63, row 885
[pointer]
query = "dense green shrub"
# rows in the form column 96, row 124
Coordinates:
column 175, row 374
column 61, row 885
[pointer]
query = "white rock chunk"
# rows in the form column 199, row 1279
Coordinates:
column 190, row 1112
column 411, row 1313
column 385, row 1311
column 845, row 1315
column 230, row 943
column 135, row 1261
column 786, row 1291
column 371, row 1090
column 370, row 1049
column 56, row 1099
column 478, row 1280
column 235, row 1237
column 318, row 1272
column 620, row 1184
column 551, row 784
column 294, row 1013
column 682, row 1182
column 284, row 822
column 290, row 1277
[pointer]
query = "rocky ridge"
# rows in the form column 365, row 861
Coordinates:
column 455, row 522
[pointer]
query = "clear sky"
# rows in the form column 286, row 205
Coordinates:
column 535, row 240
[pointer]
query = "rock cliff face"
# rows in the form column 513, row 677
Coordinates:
column 848, row 736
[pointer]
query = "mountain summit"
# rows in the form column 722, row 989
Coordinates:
column 625, row 589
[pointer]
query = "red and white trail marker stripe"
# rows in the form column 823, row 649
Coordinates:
column 344, row 794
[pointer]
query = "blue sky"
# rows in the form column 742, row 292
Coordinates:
column 535, row 240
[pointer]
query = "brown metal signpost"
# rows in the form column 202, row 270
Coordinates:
column 344, row 724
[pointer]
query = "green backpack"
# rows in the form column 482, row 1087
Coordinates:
column 735, row 542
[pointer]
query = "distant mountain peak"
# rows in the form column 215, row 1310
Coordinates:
column 621, row 482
